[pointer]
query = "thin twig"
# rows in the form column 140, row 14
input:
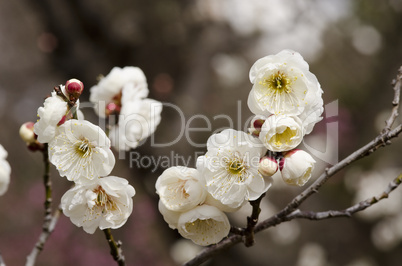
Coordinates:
column 397, row 83
column 252, row 221
column 115, row 248
column 31, row 258
column 362, row 205
column 49, row 221
column 285, row 214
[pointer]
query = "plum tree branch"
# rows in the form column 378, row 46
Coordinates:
column 291, row 211
column 49, row 221
column 362, row 205
column 115, row 248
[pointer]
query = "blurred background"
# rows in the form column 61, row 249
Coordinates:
column 197, row 55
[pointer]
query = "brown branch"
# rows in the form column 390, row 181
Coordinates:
column 115, row 248
column 284, row 215
column 397, row 83
column 252, row 221
column 31, row 258
column 47, row 227
column 362, row 205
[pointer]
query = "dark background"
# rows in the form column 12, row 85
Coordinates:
column 196, row 55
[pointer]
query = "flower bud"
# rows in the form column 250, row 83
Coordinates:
column 268, row 166
column 112, row 108
column 296, row 167
column 28, row 135
column 27, row 132
column 74, row 88
column 256, row 124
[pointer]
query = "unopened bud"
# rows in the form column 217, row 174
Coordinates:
column 74, row 88
column 27, row 133
column 268, row 166
column 112, row 108
column 29, row 137
column 296, row 167
column 256, row 124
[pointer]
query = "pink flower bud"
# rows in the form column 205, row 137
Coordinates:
column 74, row 88
column 112, row 108
column 29, row 137
column 268, row 166
column 296, row 167
column 256, row 124
column 27, row 133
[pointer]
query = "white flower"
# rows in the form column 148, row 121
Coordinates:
column 296, row 167
column 281, row 133
column 170, row 217
column 123, row 92
column 204, row 225
column 120, row 83
column 137, row 121
column 230, row 168
column 216, row 203
column 53, row 110
column 5, row 171
column 105, row 203
column 311, row 116
column 81, row 150
column 283, row 84
column 181, row 188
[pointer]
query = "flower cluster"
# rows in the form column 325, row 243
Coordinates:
column 81, row 152
column 121, row 97
column 186, row 206
column 238, row 167
column 287, row 101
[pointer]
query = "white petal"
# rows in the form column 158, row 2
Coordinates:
column 204, row 225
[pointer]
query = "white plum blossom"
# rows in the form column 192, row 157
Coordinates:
column 181, row 188
column 296, row 167
column 230, row 168
column 137, row 121
column 281, row 133
column 218, row 204
column 81, row 150
column 5, row 171
column 123, row 93
column 283, row 84
column 312, row 115
column 50, row 115
column 128, row 82
column 170, row 217
column 204, row 225
column 101, row 203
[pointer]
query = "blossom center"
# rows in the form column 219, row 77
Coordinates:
column 178, row 188
column 103, row 200
column 278, row 82
column 201, row 225
column 236, row 167
column 283, row 138
column 84, row 148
